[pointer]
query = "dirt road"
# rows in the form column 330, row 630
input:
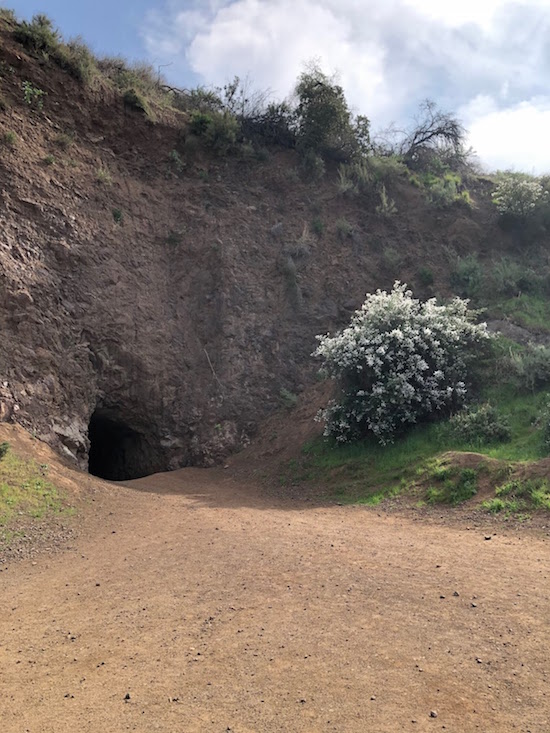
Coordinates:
column 192, row 603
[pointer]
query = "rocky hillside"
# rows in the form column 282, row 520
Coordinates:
column 156, row 298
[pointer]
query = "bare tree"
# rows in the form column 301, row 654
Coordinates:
column 434, row 131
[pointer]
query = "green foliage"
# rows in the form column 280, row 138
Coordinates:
column 512, row 278
column 64, row 140
column 218, row 130
column 290, row 273
column 76, row 59
column 176, row 162
column 221, row 134
column 42, row 37
column 480, row 425
column 426, row 276
column 530, row 366
column 38, row 35
column 33, row 96
column 398, row 362
column 7, row 14
column 386, row 207
column 133, row 99
column 9, row 139
column 467, row 277
column 118, row 216
column 354, row 177
column 544, row 422
column 386, row 168
column 103, row 175
column 25, row 489
column 452, row 489
column 518, row 195
column 324, row 121
column 4, row 448
column 519, row 494
column 313, row 165
column 48, row 160
column 199, row 122
column 288, row 398
column 344, row 228
column 318, row 226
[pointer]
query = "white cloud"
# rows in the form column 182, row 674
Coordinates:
column 390, row 53
column 512, row 137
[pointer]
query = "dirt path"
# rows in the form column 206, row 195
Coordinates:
column 217, row 609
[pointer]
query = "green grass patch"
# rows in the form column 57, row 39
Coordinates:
column 519, row 495
column 454, row 487
column 531, row 311
column 367, row 472
column 25, row 489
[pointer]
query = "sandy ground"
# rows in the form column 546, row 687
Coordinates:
column 192, row 602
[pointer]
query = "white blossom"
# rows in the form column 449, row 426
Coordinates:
column 398, row 361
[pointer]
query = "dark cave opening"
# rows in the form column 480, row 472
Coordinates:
column 117, row 452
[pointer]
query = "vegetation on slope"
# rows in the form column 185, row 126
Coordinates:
column 25, row 491
column 330, row 143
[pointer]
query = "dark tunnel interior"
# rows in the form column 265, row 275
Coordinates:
column 117, row 452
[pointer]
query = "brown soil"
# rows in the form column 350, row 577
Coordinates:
column 218, row 608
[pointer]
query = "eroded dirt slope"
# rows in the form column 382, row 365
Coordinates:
column 172, row 292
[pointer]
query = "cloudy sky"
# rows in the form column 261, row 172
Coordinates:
column 486, row 60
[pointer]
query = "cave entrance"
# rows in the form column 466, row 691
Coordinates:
column 117, row 452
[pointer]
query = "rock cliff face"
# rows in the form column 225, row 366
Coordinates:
column 153, row 305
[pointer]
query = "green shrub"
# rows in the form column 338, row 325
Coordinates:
column 221, row 133
column 325, row 124
column 530, row 366
column 511, row 278
column 497, row 505
column 386, row 168
column 544, row 423
column 355, row 177
column 386, row 207
column 398, row 362
column 76, row 59
column 118, row 216
column 33, row 96
column 64, row 140
column 7, row 14
column 318, row 226
column 218, row 130
column 288, row 398
column 4, row 448
column 454, row 490
column 199, row 122
column 103, row 175
column 426, row 276
column 9, row 139
column 468, row 276
column 176, row 162
column 480, row 425
column 133, row 99
column 535, row 492
column 344, row 228
column 517, row 195
column 313, row 165
column 48, row 160
column 38, row 35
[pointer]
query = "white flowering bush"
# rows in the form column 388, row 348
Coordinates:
column 398, row 362
column 518, row 195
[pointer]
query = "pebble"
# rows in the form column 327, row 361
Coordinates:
column 433, row 714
